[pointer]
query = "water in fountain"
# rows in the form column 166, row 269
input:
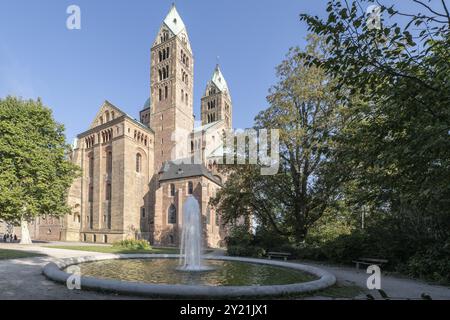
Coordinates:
column 191, row 237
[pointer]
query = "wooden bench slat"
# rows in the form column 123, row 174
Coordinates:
column 283, row 255
column 279, row 254
column 374, row 260
column 369, row 261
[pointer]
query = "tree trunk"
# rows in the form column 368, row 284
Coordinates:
column 25, row 238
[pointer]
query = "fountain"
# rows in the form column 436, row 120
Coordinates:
column 191, row 238
column 171, row 275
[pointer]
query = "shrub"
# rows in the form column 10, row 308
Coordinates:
column 133, row 244
column 246, row 251
column 431, row 264
column 271, row 241
column 239, row 236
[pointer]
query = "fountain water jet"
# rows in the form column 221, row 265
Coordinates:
column 191, row 238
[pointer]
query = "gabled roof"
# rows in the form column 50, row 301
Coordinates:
column 207, row 126
column 119, row 114
column 106, row 106
column 173, row 21
column 174, row 171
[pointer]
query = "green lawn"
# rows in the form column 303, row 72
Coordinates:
column 112, row 249
column 6, row 254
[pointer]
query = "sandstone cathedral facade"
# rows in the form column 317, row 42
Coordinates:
column 137, row 174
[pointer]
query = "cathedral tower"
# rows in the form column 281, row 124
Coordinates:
column 216, row 102
column 171, row 86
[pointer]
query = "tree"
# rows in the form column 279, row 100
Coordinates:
column 394, row 149
column 35, row 174
column 302, row 107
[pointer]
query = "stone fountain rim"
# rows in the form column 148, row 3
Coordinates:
column 54, row 271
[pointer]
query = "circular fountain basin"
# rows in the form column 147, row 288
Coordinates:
column 155, row 275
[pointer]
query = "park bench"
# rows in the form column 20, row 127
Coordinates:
column 283, row 255
column 369, row 262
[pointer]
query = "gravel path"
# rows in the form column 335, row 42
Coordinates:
column 23, row 279
column 395, row 287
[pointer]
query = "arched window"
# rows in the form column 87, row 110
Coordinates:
column 107, row 116
column 108, row 192
column 172, row 215
column 182, row 95
column 217, row 219
column 138, row 162
column 168, row 52
column 160, row 56
column 160, row 75
column 190, row 187
column 208, row 215
column 91, row 166
column 160, row 94
column 166, row 92
column 172, row 190
column 192, row 146
column 109, row 162
column 105, row 238
column 91, row 193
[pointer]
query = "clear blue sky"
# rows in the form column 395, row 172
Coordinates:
column 75, row 71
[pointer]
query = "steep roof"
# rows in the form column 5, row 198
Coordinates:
column 219, row 80
column 173, row 21
column 147, row 104
column 173, row 171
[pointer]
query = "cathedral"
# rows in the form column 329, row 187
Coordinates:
column 137, row 174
